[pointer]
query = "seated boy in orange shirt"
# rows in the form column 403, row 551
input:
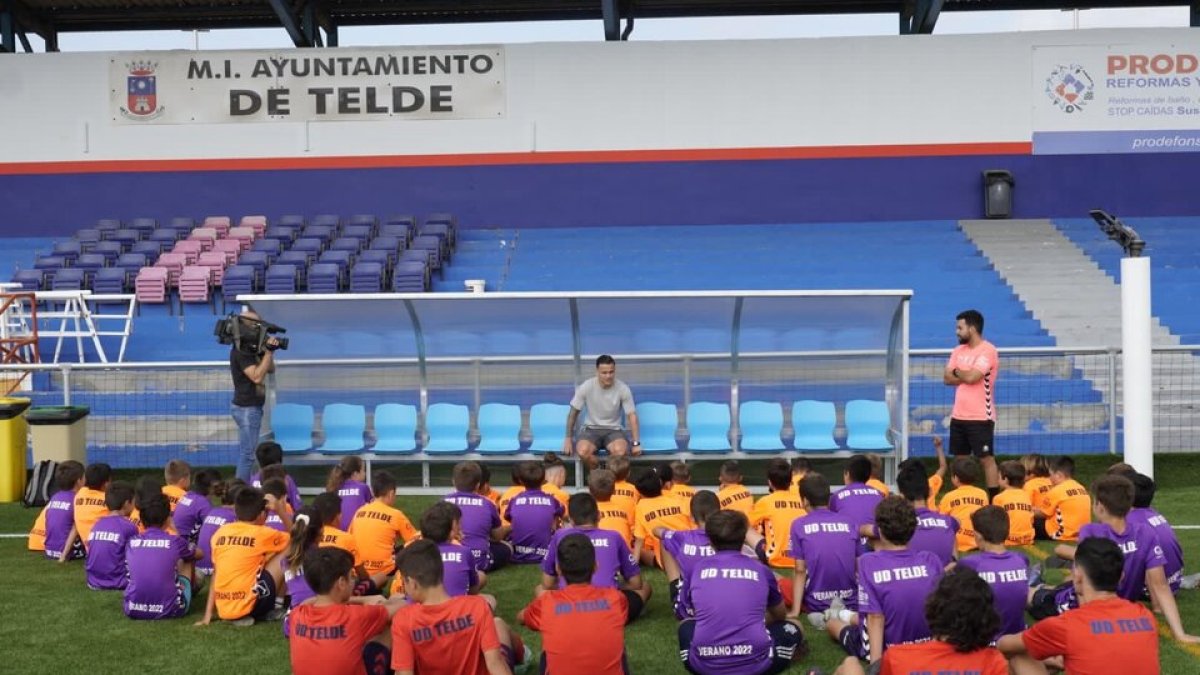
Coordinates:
column 331, row 633
column 378, row 527
column 964, row 500
column 655, row 509
column 774, row 514
column 89, row 501
column 1015, row 502
column 246, row 558
column 625, row 495
column 733, row 495
column 876, row 480
column 1067, row 506
column 441, row 635
column 178, row 476
column 601, row 483
column 563, row 615
column 681, row 482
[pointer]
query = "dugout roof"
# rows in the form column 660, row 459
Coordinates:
column 315, row 22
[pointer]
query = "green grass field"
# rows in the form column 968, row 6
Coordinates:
column 50, row 621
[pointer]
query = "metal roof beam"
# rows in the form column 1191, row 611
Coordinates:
column 291, row 22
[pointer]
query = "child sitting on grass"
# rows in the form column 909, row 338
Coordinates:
column 161, row 577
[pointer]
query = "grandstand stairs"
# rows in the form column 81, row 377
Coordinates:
column 1080, row 305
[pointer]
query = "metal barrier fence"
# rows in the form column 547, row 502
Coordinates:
column 1048, row 400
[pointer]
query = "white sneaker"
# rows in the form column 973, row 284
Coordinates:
column 1190, row 581
column 244, row 621
column 836, row 607
column 817, row 619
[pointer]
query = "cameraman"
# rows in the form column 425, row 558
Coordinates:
column 249, row 369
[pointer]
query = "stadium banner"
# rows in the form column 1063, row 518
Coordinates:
column 307, row 85
column 1093, row 99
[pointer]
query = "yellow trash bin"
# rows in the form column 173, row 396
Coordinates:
column 13, row 446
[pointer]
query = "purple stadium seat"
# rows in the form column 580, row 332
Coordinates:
column 182, row 223
column 324, row 278
column 342, row 259
column 366, row 277
column 410, row 277
column 282, row 278
column 30, row 280
column 292, row 221
column 239, row 280
column 150, row 249
column 111, row 281
column 69, row 279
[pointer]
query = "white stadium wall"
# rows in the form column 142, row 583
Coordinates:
column 883, row 128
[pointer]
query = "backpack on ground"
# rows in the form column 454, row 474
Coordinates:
column 40, row 485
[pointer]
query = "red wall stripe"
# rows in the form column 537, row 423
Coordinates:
column 511, row 158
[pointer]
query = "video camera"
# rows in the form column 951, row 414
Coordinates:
column 249, row 335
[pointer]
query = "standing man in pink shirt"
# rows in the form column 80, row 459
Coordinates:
column 972, row 370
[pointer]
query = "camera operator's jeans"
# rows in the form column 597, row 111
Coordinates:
column 249, row 423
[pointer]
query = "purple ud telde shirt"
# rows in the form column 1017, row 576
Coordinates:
column 107, row 544
column 689, row 548
column 828, row 545
column 60, row 518
column 189, row 515
column 613, row 556
column 857, row 502
column 298, row 589
column 935, row 533
column 152, row 558
column 275, row 522
column 458, row 569
column 533, row 514
column 479, row 518
column 895, row 584
column 1008, row 575
column 730, row 594
column 293, row 493
column 217, row 517
column 1172, row 551
column 354, row 494
column 1142, row 552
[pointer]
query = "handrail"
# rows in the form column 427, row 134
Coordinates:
column 567, row 359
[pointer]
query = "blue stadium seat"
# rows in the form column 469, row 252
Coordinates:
column 298, row 259
column 657, row 423
column 324, row 278
column 88, row 237
column 239, row 280
column 814, row 422
column 368, row 219
column 111, row 281
column 428, row 256
column 30, row 280
column 69, row 279
column 109, row 224
column 499, row 428
column 260, row 261
column 385, row 258
column 272, row 247
column 90, row 263
column 867, row 424
column 366, row 277
column 344, row 425
column 401, row 230
column 347, row 244
column 395, row 426
column 708, row 426
column 282, row 279
column 282, row 233
column 441, row 231
column 132, row 261
column 359, row 231
column 292, row 221
column 144, row 224
column 761, row 423
column 109, row 249
column 49, row 262
column 447, row 425
column 292, row 424
column 68, row 250
column 343, row 259
column 150, row 249
column 182, row 223
column 548, row 424
column 410, row 277
column 322, row 233
column 127, row 237
column 311, row 245
column 326, row 220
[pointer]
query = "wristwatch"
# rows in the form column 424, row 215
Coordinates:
column 954, row 372
column 636, row 443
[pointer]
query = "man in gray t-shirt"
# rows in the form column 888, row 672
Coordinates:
column 605, row 398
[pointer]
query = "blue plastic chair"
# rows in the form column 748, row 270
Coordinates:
column 548, row 424
column 292, row 424
column 239, row 280
column 814, row 422
column 366, row 277
column 657, row 423
column 708, row 427
column 291, row 221
column 447, row 425
column 499, row 428
column 70, row 279
column 111, row 281
column 761, row 423
column 343, row 424
column 30, row 280
column 395, row 429
column 867, row 424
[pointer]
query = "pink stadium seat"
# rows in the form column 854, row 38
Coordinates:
column 194, row 284
column 151, row 285
column 242, row 234
column 219, row 223
column 204, row 235
column 173, row 263
column 232, row 248
column 216, row 262
column 256, row 223
column 191, row 248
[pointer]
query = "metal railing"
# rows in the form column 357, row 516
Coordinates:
column 1049, row 400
